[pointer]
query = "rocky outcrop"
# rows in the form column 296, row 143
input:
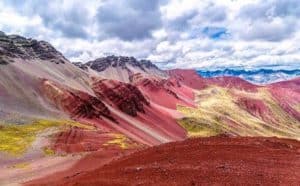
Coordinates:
column 5, row 60
column 78, row 104
column 126, row 97
column 80, row 65
column 103, row 63
column 14, row 46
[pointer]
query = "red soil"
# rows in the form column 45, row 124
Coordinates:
column 293, row 84
column 166, row 92
column 90, row 162
column 141, row 122
column 128, row 98
column 79, row 140
column 206, row 161
column 232, row 82
column 257, row 108
column 74, row 102
column 288, row 98
column 194, row 80
column 188, row 77
column 163, row 123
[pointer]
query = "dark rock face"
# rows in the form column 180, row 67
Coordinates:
column 86, row 106
column 14, row 46
column 126, row 97
column 3, row 61
column 103, row 63
column 80, row 65
column 78, row 104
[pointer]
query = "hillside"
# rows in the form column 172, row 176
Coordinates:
column 56, row 115
column 212, row 161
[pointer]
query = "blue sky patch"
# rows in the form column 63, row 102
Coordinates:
column 214, row 32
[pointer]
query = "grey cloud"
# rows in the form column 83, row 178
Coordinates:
column 182, row 23
column 124, row 27
column 269, row 31
column 214, row 13
column 211, row 13
column 271, row 8
column 269, row 20
column 287, row 8
column 70, row 23
column 129, row 20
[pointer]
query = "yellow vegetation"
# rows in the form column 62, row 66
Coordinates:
column 119, row 140
column 48, row 151
column 297, row 108
column 16, row 139
column 22, row 165
column 196, row 127
column 217, row 106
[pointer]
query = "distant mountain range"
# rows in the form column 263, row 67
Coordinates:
column 257, row 76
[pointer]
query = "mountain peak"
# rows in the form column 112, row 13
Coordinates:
column 103, row 63
column 15, row 46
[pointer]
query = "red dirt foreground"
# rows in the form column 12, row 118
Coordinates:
column 203, row 161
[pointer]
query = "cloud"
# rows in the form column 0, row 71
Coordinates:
column 271, row 20
column 66, row 18
column 173, row 33
column 129, row 19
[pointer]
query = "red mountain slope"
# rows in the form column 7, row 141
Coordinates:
column 213, row 161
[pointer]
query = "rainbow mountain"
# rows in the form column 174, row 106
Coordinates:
column 55, row 114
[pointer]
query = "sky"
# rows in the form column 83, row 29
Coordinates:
column 201, row 34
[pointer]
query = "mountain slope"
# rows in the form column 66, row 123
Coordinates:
column 54, row 111
column 122, row 68
column 202, row 161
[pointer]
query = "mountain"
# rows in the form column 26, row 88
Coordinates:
column 58, row 116
column 257, row 76
column 122, row 68
column 200, row 161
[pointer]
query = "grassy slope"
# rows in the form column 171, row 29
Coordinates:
column 16, row 139
column 218, row 112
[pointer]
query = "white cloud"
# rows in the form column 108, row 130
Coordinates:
column 257, row 33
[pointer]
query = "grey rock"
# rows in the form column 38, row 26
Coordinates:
column 103, row 63
column 15, row 46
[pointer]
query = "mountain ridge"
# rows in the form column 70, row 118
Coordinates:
column 257, row 76
column 116, row 104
